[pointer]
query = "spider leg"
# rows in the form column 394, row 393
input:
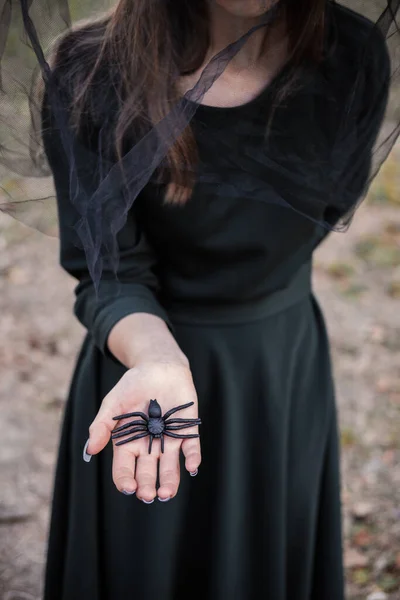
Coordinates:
column 175, row 435
column 135, row 437
column 130, row 424
column 182, row 421
column 174, row 410
column 122, row 433
column 151, row 442
column 182, row 426
column 134, row 414
column 162, row 442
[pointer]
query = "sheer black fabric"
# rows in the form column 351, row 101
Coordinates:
column 350, row 148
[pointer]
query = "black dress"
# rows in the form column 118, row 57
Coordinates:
column 231, row 275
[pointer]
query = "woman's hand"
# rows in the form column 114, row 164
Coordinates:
column 171, row 384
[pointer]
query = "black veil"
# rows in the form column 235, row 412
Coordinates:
column 366, row 127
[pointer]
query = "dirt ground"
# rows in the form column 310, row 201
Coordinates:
column 357, row 280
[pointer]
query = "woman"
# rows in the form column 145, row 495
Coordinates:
column 215, row 308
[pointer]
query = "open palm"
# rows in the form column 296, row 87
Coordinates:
column 134, row 468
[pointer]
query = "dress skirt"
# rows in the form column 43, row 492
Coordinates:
column 262, row 518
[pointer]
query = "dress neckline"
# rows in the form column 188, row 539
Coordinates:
column 260, row 97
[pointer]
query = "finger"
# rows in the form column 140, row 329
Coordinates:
column 123, row 469
column 192, row 453
column 102, row 426
column 146, row 475
column 169, row 472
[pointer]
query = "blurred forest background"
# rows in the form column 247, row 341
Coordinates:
column 357, row 280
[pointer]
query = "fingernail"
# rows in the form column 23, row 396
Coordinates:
column 148, row 501
column 163, row 499
column 86, row 457
column 128, row 493
column 194, row 473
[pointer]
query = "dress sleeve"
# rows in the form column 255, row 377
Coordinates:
column 364, row 154
column 138, row 287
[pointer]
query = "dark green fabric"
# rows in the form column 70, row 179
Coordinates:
column 261, row 519
column 230, row 275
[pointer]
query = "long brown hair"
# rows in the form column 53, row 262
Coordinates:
column 150, row 43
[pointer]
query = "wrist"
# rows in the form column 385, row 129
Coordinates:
column 144, row 338
column 172, row 357
column 158, row 350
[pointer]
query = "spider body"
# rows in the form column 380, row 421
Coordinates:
column 155, row 425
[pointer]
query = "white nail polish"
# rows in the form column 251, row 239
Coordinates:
column 148, row 501
column 86, row 457
column 163, row 499
column 194, row 473
column 128, row 493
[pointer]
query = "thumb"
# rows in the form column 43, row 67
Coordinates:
column 100, row 430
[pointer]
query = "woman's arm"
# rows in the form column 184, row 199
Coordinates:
column 143, row 337
column 130, row 327
column 137, row 288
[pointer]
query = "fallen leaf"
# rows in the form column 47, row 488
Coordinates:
column 392, row 228
column 361, row 510
column 353, row 290
column 397, row 561
column 347, row 437
column 393, row 289
column 339, row 270
column 362, row 538
column 387, row 384
column 361, row 576
column 378, row 251
column 354, row 559
column 388, row 457
column 388, row 582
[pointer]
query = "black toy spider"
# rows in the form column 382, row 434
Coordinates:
column 155, row 425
